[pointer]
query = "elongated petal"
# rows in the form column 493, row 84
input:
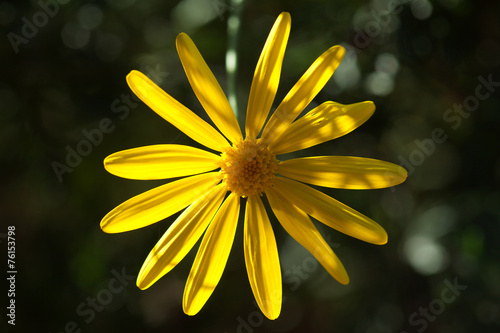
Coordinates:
column 261, row 258
column 212, row 256
column 303, row 92
column 300, row 227
column 207, row 89
column 159, row 203
column 330, row 211
column 175, row 113
column 160, row 162
column 267, row 76
column 180, row 237
column 326, row 122
column 343, row 172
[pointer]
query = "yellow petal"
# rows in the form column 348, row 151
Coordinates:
column 159, row 203
column 300, row 227
column 212, row 256
column 326, row 122
column 303, row 92
column 267, row 76
column 180, row 237
column 261, row 258
column 160, row 162
column 207, row 89
column 343, row 172
column 331, row 212
column 175, row 113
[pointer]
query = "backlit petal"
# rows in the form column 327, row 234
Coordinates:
column 180, row 237
column 159, row 203
column 343, row 172
column 330, row 211
column 303, row 92
column 267, row 76
column 326, row 122
column 300, row 227
column 174, row 112
column 212, row 256
column 261, row 258
column 160, row 162
column 207, row 89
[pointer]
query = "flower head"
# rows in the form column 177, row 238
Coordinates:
column 245, row 171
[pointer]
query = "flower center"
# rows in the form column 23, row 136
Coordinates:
column 249, row 167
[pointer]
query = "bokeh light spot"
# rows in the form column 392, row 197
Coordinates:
column 379, row 83
column 421, row 9
column 89, row 16
column 194, row 13
column 74, row 36
column 347, row 74
column 425, row 255
column 387, row 63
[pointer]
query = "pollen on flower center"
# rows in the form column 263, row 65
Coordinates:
column 248, row 168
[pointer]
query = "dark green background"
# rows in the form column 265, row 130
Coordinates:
column 443, row 222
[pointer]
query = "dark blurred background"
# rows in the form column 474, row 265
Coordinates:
column 431, row 67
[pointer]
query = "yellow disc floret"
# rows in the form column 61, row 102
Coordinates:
column 249, row 167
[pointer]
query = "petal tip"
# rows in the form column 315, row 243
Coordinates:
column 182, row 39
column 182, row 35
column 339, row 50
column 369, row 104
column 382, row 239
column 272, row 313
column 344, row 280
column 140, row 283
column 190, row 309
column 105, row 226
column 132, row 75
column 273, row 317
column 403, row 173
column 285, row 16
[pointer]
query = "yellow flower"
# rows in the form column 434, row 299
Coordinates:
column 246, row 169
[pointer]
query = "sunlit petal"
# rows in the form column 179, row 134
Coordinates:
column 330, row 211
column 212, row 256
column 207, row 89
column 159, row 203
column 326, row 122
column 343, row 172
column 303, row 92
column 180, row 237
column 261, row 258
column 175, row 113
column 300, row 227
column 267, row 75
column 160, row 162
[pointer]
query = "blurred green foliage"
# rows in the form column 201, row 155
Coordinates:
column 421, row 63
